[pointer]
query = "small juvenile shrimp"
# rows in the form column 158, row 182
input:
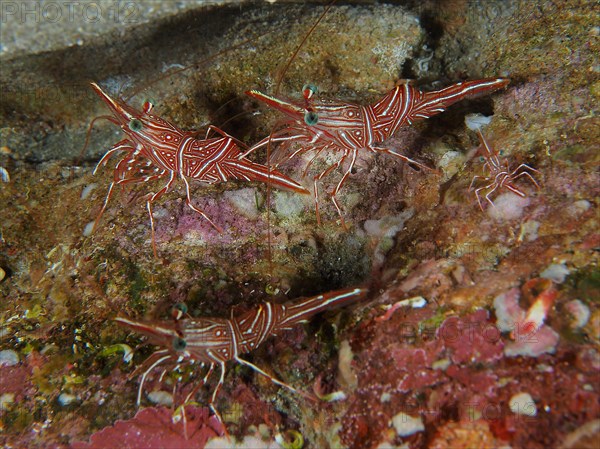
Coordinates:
column 499, row 175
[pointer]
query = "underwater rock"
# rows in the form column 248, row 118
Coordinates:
column 406, row 425
column 446, row 362
column 8, row 357
column 580, row 313
column 249, row 442
column 508, row 206
column 557, row 272
column 522, row 404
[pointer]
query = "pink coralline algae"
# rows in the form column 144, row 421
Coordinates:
column 15, row 380
column 190, row 225
column 455, row 371
column 463, row 340
column 436, row 371
column 471, row 338
column 154, row 428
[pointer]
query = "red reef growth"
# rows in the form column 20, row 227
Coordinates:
column 154, row 428
column 454, row 373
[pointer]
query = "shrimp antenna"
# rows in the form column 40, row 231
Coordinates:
column 277, row 87
column 304, row 39
column 197, row 64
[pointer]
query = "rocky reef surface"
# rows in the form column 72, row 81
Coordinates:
column 482, row 326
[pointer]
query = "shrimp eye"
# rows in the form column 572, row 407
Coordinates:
column 135, row 125
column 309, row 90
column 181, row 307
column 311, row 118
column 179, row 344
column 481, row 159
column 179, row 310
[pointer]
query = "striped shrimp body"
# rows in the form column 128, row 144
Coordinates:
column 156, row 149
column 499, row 175
column 211, row 342
column 349, row 128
